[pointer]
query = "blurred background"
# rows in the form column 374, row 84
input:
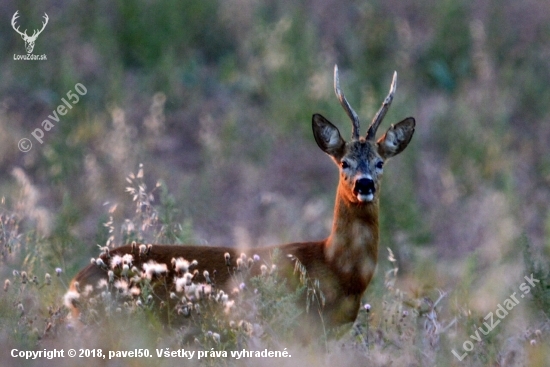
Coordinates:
column 214, row 98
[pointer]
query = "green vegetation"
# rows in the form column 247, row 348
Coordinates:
column 214, row 99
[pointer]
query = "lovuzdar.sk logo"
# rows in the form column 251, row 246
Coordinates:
column 29, row 40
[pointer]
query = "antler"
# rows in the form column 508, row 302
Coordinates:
column 43, row 26
column 371, row 133
column 24, row 34
column 13, row 19
column 344, row 102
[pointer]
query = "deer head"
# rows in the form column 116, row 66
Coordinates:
column 29, row 40
column 361, row 160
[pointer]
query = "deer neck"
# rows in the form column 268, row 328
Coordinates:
column 352, row 246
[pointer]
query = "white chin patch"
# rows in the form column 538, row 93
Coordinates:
column 365, row 198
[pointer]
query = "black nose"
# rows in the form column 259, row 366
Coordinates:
column 364, row 186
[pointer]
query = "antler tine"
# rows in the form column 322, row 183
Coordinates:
column 46, row 18
column 43, row 23
column 14, row 21
column 371, row 133
column 344, row 102
column 14, row 18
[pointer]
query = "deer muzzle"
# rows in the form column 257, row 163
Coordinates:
column 364, row 189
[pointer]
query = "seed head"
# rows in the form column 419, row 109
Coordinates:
column 153, row 268
column 180, row 265
column 207, row 276
column 135, row 291
column 102, row 283
column 184, row 310
column 240, row 263
column 104, row 250
column 263, row 269
column 180, row 284
column 71, row 299
column 122, row 286
column 246, row 326
column 142, row 249
column 127, row 259
column 88, row 288
column 116, row 261
column 188, row 278
column 6, row 285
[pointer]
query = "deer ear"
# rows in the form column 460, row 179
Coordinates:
column 396, row 139
column 328, row 136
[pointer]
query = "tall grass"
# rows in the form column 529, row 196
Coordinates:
column 215, row 99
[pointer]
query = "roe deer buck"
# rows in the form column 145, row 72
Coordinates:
column 343, row 263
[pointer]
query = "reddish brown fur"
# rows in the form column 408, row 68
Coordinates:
column 339, row 288
column 344, row 263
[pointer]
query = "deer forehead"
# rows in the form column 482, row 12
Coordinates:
column 361, row 154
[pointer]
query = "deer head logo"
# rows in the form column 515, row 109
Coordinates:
column 29, row 40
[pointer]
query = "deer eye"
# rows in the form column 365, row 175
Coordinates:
column 344, row 165
column 379, row 164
